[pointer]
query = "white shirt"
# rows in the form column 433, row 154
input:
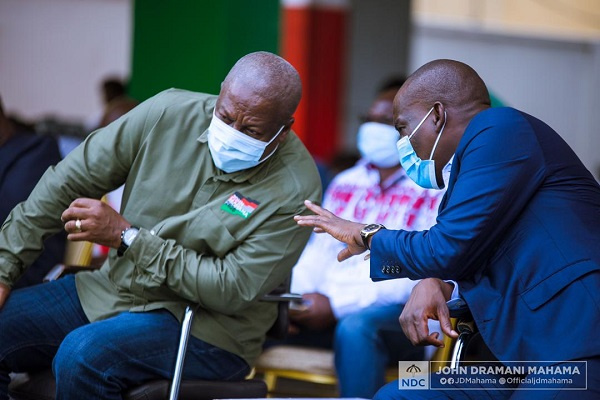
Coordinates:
column 357, row 195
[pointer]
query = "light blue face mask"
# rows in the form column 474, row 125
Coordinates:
column 232, row 150
column 422, row 172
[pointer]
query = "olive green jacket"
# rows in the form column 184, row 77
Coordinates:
column 207, row 238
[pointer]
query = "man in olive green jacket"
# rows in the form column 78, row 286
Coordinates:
column 211, row 186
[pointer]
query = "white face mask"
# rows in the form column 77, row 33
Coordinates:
column 232, row 150
column 377, row 144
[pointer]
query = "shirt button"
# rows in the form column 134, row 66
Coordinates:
column 152, row 232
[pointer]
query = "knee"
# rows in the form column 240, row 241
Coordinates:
column 77, row 353
column 392, row 392
column 389, row 392
column 352, row 327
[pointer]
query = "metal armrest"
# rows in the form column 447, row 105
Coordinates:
column 60, row 270
column 281, row 297
column 458, row 309
column 465, row 326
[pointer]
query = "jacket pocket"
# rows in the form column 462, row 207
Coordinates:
column 544, row 290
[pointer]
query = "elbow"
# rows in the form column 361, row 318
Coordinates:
column 233, row 303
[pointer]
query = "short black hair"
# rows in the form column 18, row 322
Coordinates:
column 113, row 88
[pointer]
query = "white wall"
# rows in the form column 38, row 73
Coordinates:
column 554, row 79
column 54, row 53
column 378, row 36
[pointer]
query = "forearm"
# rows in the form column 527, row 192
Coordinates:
column 97, row 166
column 30, row 223
column 489, row 194
column 225, row 284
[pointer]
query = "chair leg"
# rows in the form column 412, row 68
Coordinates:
column 183, row 341
column 271, row 381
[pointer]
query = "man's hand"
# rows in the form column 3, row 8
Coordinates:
column 345, row 231
column 4, row 292
column 427, row 301
column 317, row 316
column 98, row 222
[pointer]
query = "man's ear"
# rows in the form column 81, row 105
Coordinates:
column 439, row 116
column 286, row 128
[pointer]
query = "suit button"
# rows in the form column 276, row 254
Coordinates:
column 397, row 270
column 383, row 270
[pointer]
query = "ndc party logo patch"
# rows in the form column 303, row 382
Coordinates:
column 413, row 375
column 237, row 204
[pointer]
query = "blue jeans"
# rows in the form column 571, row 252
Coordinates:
column 365, row 343
column 44, row 325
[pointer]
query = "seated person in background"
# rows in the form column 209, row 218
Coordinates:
column 116, row 101
column 24, row 156
column 340, row 296
column 211, row 187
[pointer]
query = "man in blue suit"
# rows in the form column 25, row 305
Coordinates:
column 518, row 229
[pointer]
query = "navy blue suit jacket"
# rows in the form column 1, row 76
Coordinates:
column 519, row 230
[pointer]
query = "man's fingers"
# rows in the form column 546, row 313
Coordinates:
column 417, row 331
column 79, row 208
column 315, row 208
column 422, row 329
column 77, row 225
column 344, row 254
column 432, row 339
column 411, row 334
column 308, row 220
column 84, row 202
column 73, row 213
column 445, row 323
column 78, row 237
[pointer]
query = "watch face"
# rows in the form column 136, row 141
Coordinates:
column 370, row 228
column 129, row 235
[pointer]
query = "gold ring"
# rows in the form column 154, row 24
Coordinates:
column 78, row 225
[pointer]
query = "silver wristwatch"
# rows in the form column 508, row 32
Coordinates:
column 368, row 231
column 127, row 237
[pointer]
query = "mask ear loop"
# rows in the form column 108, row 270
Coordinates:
column 439, row 136
column 271, row 141
column 420, row 123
